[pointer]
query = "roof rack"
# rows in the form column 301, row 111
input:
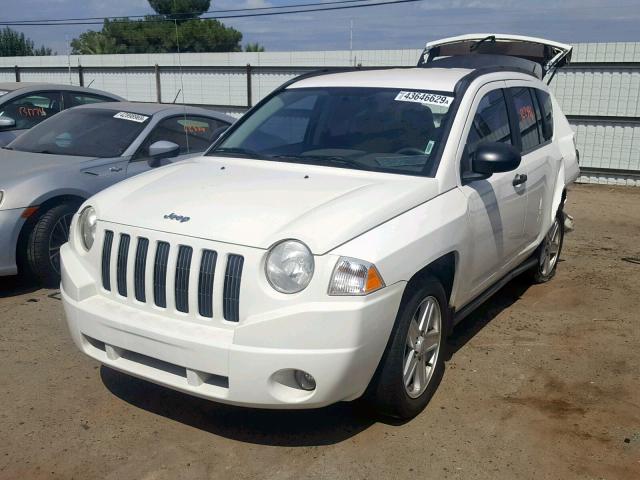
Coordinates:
column 480, row 61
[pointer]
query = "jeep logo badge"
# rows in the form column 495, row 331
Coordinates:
column 179, row 218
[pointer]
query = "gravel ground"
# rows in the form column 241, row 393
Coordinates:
column 543, row 383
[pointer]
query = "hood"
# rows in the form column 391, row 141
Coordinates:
column 257, row 203
column 15, row 164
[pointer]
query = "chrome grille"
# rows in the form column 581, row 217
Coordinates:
column 139, row 281
column 160, row 275
column 178, row 276
column 231, row 296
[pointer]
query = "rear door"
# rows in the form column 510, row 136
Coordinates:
column 496, row 206
column 540, row 156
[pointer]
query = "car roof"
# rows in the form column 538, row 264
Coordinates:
column 144, row 108
column 30, row 86
column 438, row 79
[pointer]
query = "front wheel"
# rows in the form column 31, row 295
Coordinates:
column 49, row 233
column 413, row 365
column 548, row 253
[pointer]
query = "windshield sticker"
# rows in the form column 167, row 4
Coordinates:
column 31, row 112
column 132, row 117
column 430, row 145
column 424, row 98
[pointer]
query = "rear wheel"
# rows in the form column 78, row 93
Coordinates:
column 548, row 253
column 413, row 364
column 49, row 233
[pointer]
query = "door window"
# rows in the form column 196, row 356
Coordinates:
column 32, row 109
column 76, row 99
column 544, row 99
column 490, row 123
column 194, row 134
column 526, row 116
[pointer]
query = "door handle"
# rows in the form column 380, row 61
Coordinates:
column 115, row 169
column 519, row 179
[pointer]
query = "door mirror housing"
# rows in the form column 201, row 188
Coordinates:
column 7, row 122
column 160, row 150
column 495, row 157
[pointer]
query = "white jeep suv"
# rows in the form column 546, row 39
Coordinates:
column 326, row 245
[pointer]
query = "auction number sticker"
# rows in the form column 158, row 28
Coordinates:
column 423, row 97
column 132, row 117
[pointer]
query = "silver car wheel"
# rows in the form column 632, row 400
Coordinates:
column 422, row 346
column 59, row 236
column 550, row 249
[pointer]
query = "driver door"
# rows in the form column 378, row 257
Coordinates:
column 497, row 204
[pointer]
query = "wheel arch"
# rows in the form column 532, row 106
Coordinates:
column 443, row 268
column 42, row 207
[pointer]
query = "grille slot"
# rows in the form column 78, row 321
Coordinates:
column 140, row 268
column 183, row 269
column 121, row 272
column 231, row 295
column 160, row 275
column 106, row 259
column 205, row 283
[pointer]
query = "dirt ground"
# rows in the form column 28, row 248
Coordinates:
column 544, row 383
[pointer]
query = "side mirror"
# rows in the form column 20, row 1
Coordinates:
column 7, row 122
column 495, row 157
column 160, row 150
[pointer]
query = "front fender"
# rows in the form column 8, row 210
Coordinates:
column 406, row 244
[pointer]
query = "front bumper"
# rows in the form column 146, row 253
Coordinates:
column 227, row 363
column 10, row 224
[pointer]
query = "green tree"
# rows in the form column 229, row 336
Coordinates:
column 253, row 47
column 15, row 44
column 93, row 43
column 180, row 9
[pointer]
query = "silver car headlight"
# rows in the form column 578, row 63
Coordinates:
column 354, row 277
column 87, row 222
column 289, row 266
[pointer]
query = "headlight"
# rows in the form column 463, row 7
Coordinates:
column 87, row 222
column 354, row 277
column 289, row 266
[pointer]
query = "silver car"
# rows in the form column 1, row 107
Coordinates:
column 24, row 105
column 46, row 173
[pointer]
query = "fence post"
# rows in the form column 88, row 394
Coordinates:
column 17, row 70
column 249, row 95
column 80, row 75
column 156, row 69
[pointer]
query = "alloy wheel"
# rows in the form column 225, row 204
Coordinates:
column 59, row 236
column 422, row 346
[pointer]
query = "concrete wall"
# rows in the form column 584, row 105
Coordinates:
column 599, row 91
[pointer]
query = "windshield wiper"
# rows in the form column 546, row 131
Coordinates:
column 238, row 151
column 335, row 160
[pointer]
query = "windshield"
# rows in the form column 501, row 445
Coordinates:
column 84, row 132
column 375, row 129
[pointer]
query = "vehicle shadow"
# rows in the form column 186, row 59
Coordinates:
column 485, row 313
column 283, row 428
column 16, row 285
column 288, row 428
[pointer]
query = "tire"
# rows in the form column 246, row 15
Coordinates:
column 49, row 232
column 392, row 392
column 548, row 252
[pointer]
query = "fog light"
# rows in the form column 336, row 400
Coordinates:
column 305, row 380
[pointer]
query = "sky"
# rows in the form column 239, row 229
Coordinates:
column 384, row 27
